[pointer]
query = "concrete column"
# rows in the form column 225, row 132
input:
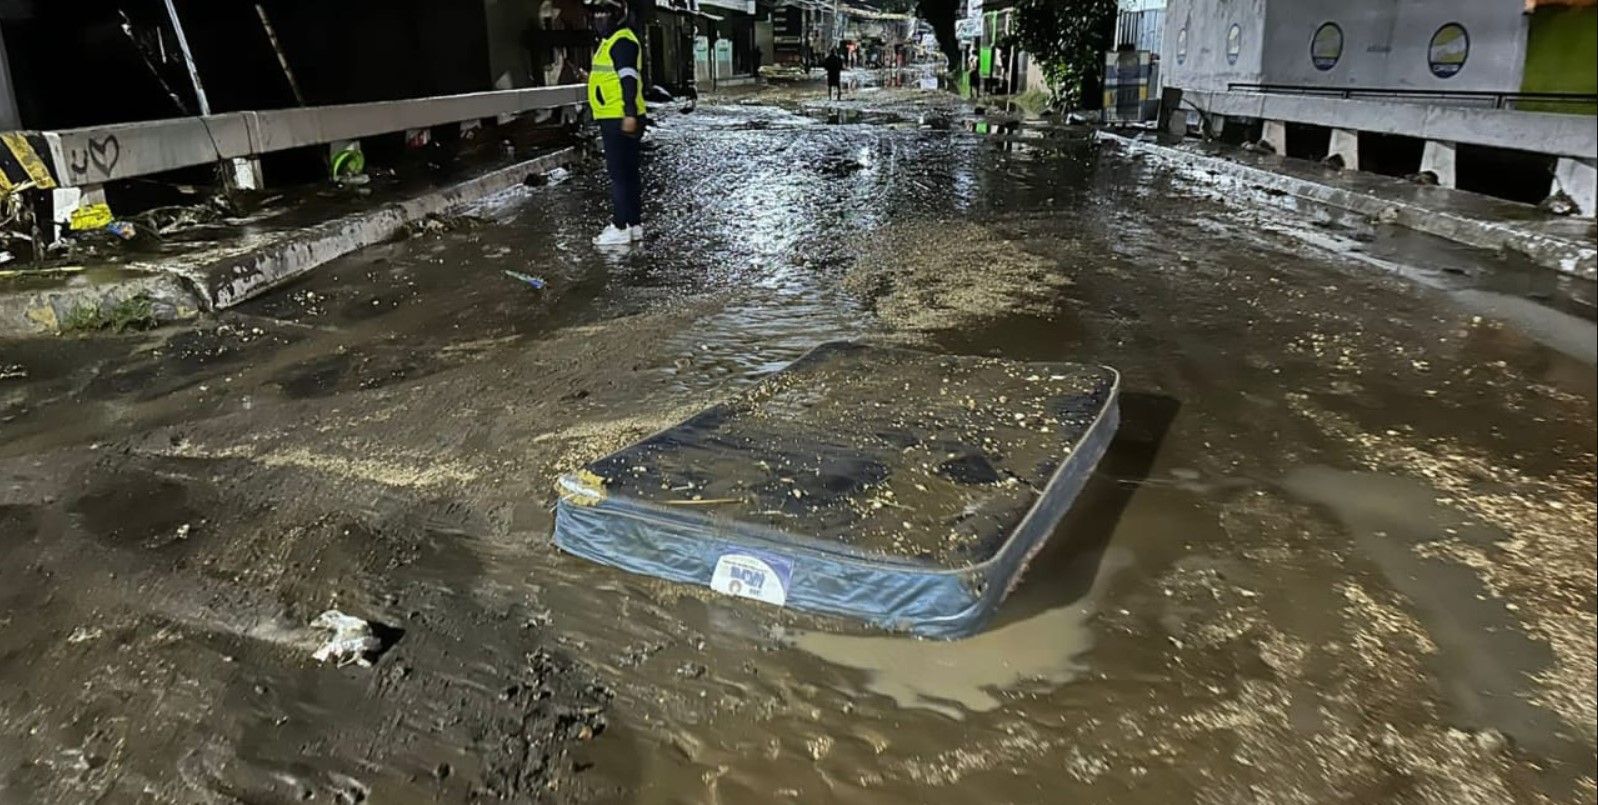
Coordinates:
column 1173, row 118
column 1274, row 134
column 1177, row 125
column 245, row 173
column 1578, row 178
column 84, row 206
column 1437, row 158
column 1217, row 124
column 1345, row 144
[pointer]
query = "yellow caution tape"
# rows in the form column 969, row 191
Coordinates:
column 29, row 159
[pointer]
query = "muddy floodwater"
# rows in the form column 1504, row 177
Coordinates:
column 1341, row 548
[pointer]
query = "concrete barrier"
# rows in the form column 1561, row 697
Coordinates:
column 226, row 283
column 89, row 157
column 1571, row 256
column 37, row 304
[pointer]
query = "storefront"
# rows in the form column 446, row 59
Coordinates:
column 673, row 30
column 724, row 52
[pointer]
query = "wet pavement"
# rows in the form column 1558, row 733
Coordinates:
column 1340, row 550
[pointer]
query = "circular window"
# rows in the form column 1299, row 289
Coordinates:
column 1181, row 46
column 1327, row 46
column 1234, row 43
column 1449, row 48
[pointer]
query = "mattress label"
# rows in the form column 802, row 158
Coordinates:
column 763, row 578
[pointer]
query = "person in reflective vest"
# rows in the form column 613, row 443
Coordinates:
column 616, row 98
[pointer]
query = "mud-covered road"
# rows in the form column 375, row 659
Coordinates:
column 1341, row 549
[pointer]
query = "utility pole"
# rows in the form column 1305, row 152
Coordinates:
column 242, row 174
column 282, row 58
column 188, row 58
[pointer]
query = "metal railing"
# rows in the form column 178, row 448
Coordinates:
column 1483, row 99
column 88, row 157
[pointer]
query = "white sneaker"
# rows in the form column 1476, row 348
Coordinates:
column 613, row 236
column 636, row 233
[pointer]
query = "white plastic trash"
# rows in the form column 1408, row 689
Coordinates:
column 350, row 639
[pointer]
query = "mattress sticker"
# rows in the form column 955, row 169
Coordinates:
column 746, row 575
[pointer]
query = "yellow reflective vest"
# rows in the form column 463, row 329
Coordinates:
column 604, row 83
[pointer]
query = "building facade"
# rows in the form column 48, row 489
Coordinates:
column 1475, row 74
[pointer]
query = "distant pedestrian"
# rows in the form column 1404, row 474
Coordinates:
column 834, row 67
column 616, row 98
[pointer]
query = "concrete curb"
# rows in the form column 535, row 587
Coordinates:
column 181, row 289
column 224, row 283
column 43, row 310
column 1576, row 258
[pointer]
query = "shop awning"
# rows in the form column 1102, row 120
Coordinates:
column 736, row 6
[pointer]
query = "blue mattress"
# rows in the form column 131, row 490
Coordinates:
column 900, row 488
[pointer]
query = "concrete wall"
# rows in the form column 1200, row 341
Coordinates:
column 1561, row 135
column 1386, row 43
column 1561, row 50
column 1205, row 65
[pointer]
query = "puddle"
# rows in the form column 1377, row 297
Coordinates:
column 1039, row 652
column 952, row 677
column 1573, row 335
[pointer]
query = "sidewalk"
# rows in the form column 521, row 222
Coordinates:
column 1563, row 244
column 190, row 275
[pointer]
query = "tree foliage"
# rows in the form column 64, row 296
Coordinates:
column 1068, row 38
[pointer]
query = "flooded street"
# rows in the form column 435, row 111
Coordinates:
column 1341, row 548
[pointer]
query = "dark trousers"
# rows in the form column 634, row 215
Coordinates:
column 621, row 163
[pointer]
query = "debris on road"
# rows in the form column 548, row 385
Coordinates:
column 174, row 218
column 438, row 224
column 84, row 634
column 537, row 282
column 815, row 468
column 351, row 639
column 549, row 178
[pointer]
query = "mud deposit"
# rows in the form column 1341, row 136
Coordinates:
column 929, row 276
column 1341, row 549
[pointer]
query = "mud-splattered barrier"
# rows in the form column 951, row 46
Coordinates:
column 227, row 282
column 246, row 267
column 1569, row 256
column 905, row 489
